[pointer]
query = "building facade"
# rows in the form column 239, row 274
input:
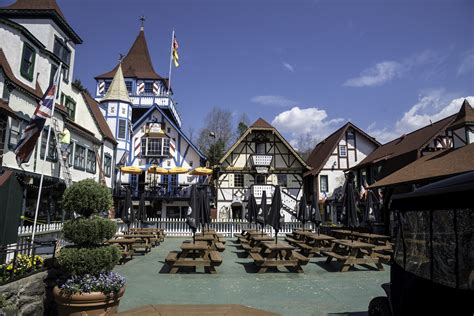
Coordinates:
column 139, row 108
column 35, row 39
column 260, row 159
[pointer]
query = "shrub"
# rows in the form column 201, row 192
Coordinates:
column 106, row 283
column 89, row 231
column 23, row 264
column 77, row 260
column 87, row 197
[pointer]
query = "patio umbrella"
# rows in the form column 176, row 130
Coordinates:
column 142, row 210
column 200, row 171
column 178, row 170
column 370, row 208
column 251, row 210
column 349, row 202
column 192, row 217
column 262, row 215
column 303, row 215
column 315, row 214
column 206, row 208
column 274, row 217
column 127, row 207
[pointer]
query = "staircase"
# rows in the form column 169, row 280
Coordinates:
column 64, row 164
column 289, row 202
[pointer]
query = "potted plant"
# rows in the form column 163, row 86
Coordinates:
column 90, row 286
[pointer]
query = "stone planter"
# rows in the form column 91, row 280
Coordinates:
column 95, row 303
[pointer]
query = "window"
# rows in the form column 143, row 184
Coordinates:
column 107, row 165
column 166, row 146
column 15, row 133
column 342, row 151
column 191, row 163
column 260, row 148
column 350, row 135
column 91, row 161
column 143, row 146
column 323, row 183
column 168, row 130
column 5, row 92
column 70, row 106
column 106, row 86
column 80, row 157
column 64, row 54
column 282, row 179
column 52, row 152
column 122, row 129
column 174, row 180
column 148, row 87
column 238, row 180
column 259, row 179
column 27, row 62
column 54, row 68
column 154, row 147
column 128, row 84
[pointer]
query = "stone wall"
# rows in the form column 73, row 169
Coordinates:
column 27, row 294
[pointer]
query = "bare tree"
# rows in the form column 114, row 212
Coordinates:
column 191, row 134
column 304, row 145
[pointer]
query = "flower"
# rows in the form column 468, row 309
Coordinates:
column 106, row 283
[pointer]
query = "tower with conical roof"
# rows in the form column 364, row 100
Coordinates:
column 117, row 109
column 462, row 127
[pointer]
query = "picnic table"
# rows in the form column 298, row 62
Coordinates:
column 125, row 245
column 279, row 254
column 245, row 238
column 312, row 243
column 143, row 241
column 211, row 242
column 156, row 231
column 254, row 243
column 217, row 237
column 350, row 253
column 342, row 233
column 194, row 255
column 383, row 245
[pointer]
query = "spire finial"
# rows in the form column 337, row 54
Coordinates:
column 120, row 58
column 142, row 20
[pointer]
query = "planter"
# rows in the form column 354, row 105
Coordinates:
column 95, row 303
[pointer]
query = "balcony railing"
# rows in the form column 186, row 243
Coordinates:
column 261, row 160
column 258, row 190
column 163, row 101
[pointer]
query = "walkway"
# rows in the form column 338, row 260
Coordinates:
column 319, row 291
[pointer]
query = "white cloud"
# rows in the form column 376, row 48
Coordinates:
column 273, row 100
column 288, row 66
column 376, row 75
column 310, row 124
column 467, row 64
column 432, row 106
column 386, row 71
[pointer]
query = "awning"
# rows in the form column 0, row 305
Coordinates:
column 200, row 171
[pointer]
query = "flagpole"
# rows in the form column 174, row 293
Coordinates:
column 171, row 63
column 46, row 152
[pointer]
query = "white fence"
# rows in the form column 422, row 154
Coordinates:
column 177, row 227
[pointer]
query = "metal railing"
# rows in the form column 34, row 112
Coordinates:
column 261, row 160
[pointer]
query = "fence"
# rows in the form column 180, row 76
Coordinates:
column 177, row 227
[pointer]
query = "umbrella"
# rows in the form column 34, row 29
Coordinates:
column 274, row 215
column 315, row 214
column 262, row 215
column 369, row 215
column 206, row 208
column 200, row 171
column 142, row 209
column 303, row 215
column 178, row 170
column 251, row 209
column 131, row 170
column 127, row 207
column 192, row 217
column 349, row 202
column 157, row 170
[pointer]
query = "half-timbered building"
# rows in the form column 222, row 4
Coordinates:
column 260, row 159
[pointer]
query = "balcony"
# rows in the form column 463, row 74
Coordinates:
column 258, row 190
column 261, row 160
column 163, row 101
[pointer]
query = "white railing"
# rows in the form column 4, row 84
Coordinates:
column 177, row 227
column 41, row 229
column 261, row 160
column 257, row 190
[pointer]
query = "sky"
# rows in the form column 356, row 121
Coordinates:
column 307, row 67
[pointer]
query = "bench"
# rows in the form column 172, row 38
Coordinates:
column 301, row 259
column 215, row 257
column 172, row 257
column 239, row 235
column 220, row 246
column 257, row 257
column 246, row 247
column 331, row 254
column 291, row 240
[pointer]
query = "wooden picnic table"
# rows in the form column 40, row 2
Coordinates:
column 144, row 241
column 194, row 255
column 217, row 237
column 342, row 233
column 159, row 232
column 279, row 254
column 211, row 241
column 350, row 253
column 254, row 243
column 126, row 246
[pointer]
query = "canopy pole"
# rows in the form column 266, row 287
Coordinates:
column 171, row 63
column 46, row 152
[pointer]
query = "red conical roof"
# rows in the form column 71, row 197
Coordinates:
column 261, row 123
column 137, row 63
column 464, row 116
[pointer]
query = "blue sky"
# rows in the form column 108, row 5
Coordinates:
column 388, row 66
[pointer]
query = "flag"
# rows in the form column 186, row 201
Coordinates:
column 175, row 52
column 43, row 111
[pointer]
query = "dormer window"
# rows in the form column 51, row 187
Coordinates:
column 155, row 146
column 128, row 84
column 342, row 151
column 148, row 88
column 107, row 86
column 64, row 54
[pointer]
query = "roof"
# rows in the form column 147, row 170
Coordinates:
column 40, row 8
column 117, row 90
column 261, row 124
column 81, row 130
column 435, row 165
column 98, row 117
column 323, row 150
column 413, row 141
column 5, row 108
column 141, row 120
column 137, row 63
column 464, row 116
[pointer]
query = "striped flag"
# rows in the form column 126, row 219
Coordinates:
column 156, row 88
column 101, row 87
column 175, row 52
column 140, row 87
column 172, row 147
column 43, row 111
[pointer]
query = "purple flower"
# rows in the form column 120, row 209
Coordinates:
column 106, row 283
